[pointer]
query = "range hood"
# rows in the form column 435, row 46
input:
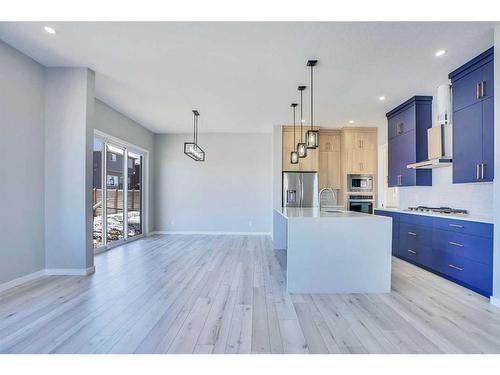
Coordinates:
column 439, row 141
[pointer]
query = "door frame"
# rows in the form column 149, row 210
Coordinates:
column 109, row 139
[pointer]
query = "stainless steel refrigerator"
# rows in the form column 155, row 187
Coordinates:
column 300, row 189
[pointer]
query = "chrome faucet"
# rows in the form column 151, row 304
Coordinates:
column 321, row 192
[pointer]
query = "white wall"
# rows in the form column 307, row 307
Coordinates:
column 477, row 198
column 22, row 168
column 113, row 123
column 69, row 106
column 230, row 192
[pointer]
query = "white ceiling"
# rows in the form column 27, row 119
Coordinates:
column 243, row 76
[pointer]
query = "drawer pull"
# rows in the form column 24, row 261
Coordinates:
column 456, row 244
column 412, row 233
column 411, row 251
column 455, row 267
column 456, row 225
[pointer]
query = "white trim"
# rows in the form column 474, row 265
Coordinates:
column 70, row 271
column 118, row 141
column 495, row 301
column 212, row 233
column 21, row 280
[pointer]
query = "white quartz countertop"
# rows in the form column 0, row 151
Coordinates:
column 314, row 212
column 478, row 218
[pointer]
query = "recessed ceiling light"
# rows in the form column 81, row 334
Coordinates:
column 441, row 52
column 351, row 121
column 381, row 97
column 49, row 29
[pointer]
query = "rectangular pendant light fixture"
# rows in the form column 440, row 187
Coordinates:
column 294, row 155
column 312, row 136
column 301, row 146
column 192, row 149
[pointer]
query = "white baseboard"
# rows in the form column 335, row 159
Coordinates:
column 212, row 233
column 495, row 301
column 21, row 280
column 70, row 271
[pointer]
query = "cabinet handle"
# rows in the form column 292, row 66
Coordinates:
column 411, row 251
column 478, row 90
column 455, row 267
column 412, row 233
column 483, row 84
column 477, row 171
column 456, row 225
column 482, row 170
column 456, row 244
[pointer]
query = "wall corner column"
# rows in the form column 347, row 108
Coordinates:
column 69, row 108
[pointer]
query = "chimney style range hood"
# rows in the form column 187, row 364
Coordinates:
column 439, row 142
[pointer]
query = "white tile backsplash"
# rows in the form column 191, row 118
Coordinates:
column 477, row 198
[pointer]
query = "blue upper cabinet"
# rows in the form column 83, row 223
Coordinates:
column 473, row 122
column 407, row 133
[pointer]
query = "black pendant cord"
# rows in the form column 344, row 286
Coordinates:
column 301, row 115
column 294, row 106
column 312, row 90
column 194, row 128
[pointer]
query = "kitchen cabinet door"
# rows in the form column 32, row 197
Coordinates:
column 465, row 90
column 467, row 143
column 488, row 141
column 394, row 154
column 487, row 77
column 407, row 156
column 310, row 163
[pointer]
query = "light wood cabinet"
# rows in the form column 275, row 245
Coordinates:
column 309, row 163
column 329, row 159
column 359, row 150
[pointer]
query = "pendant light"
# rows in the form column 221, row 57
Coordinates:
column 312, row 136
column 294, row 155
column 192, row 149
column 301, row 146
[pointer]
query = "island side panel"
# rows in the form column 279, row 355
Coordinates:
column 339, row 255
column 280, row 224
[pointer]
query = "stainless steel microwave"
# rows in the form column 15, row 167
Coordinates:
column 360, row 182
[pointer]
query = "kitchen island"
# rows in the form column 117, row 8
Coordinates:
column 334, row 251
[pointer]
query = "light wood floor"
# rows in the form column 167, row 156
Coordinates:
column 226, row 294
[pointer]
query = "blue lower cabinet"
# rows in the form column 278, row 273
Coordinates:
column 421, row 255
column 471, row 247
column 473, row 275
column 459, row 250
column 395, row 228
column 464, row 226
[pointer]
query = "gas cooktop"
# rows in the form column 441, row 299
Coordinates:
column 439, row 210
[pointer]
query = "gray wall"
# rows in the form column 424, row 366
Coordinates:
column 113, row 123
column 22, row 166
column 230, row 192
column 69, row 105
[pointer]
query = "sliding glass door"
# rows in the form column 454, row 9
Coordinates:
column 97, row 193
column 117, row 192
column 134, row 194
column 115, row 157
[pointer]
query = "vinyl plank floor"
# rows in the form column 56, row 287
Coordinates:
column 227, row 294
